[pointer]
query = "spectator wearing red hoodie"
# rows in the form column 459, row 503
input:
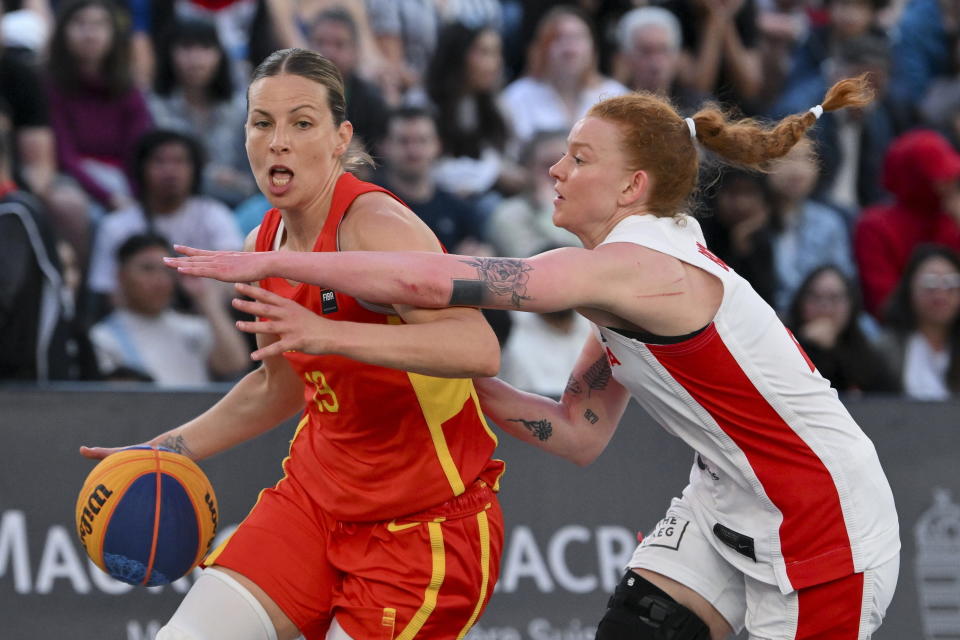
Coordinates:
column 922, row 172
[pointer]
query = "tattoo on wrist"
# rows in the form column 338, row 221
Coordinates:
column 573, row 386
column 590, row 416
column 497, row 276
column 542, row 429
column 598, row 375
column 176, row 443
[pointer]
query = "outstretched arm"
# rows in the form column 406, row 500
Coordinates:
column 579, row 426
column 560, row 279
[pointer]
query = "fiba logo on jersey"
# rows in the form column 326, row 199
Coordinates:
column 328, row 301
column 937, row 563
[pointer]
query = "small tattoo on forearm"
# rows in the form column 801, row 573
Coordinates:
column 598, row 375
column 178, row 444
column 542, row 429
column 573, row 386
column 499, row 276
column 591, row 416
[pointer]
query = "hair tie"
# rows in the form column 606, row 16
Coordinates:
column 817, row 111
column 692, row 126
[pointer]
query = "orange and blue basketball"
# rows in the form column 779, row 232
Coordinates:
column 146, row 515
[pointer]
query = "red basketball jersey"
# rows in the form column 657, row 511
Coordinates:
column 376, row 443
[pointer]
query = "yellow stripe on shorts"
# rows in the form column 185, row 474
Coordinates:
column 433, row 589
column 484, row 527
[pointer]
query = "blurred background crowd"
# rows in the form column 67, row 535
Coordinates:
column 122, row 132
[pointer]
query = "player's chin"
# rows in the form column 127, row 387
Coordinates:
column 281, row 200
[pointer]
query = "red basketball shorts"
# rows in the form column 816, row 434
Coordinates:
column 428, row 575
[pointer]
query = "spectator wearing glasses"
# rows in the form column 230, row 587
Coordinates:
column 924, row 321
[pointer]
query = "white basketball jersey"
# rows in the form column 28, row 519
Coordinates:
column 785, row 480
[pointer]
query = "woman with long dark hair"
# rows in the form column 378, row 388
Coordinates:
column 825, row 317
column 194, row 94
column 463, row 81
column 923, row 315
column 96, row 111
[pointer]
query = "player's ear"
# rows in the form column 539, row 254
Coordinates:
column 634, row 188
column 345, row 134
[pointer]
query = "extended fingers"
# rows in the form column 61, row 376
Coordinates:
column 275, row 349
column 96, row 453
column 197, row 271
column 198, row 266
column 190, row 251
column 267, row 326
column 265, row 309
column 260, row 294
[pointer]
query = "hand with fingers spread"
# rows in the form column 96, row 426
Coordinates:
column 228, row 266
column 298, row 328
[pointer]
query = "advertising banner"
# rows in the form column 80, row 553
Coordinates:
column 570, row 530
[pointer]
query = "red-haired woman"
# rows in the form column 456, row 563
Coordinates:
column 788, row 524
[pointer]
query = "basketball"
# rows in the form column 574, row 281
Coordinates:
column 146, row 516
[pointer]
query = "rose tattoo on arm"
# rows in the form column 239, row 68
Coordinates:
column 499, row 276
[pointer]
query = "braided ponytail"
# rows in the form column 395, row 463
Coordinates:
column 747, row 143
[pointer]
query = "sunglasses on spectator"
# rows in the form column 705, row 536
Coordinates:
column 939, row 282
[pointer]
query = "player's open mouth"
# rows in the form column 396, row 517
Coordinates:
column 280, row 176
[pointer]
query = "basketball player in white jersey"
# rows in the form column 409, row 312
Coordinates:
column 787, row 526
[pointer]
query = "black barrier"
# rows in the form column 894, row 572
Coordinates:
column 569, row 530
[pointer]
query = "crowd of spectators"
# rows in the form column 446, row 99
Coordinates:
column 122, row 133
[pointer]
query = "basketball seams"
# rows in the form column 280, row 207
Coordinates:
column 188, row 476
column 200, row 516
column 137, row 456
column 157, row 503
column 95, row 479
column 197, row 501
column 107, row 517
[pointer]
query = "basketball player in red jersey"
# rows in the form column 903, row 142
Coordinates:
column 386, row 522
column 787, row 527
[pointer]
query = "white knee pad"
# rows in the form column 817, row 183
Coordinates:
column 217, row 607
column 336, row 632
